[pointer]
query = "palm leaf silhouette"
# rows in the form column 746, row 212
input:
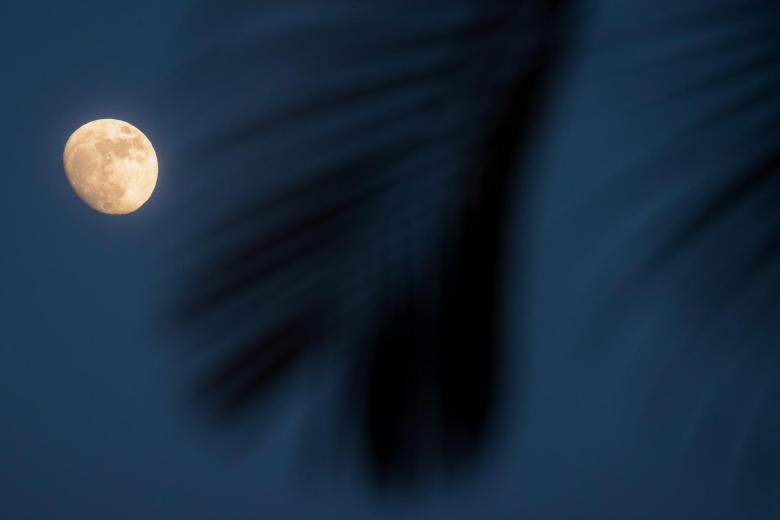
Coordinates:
column 393, row 138
column 393, row 142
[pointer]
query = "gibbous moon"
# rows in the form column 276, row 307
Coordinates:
column 111, row 165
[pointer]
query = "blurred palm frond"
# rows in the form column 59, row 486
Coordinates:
column 377, row 149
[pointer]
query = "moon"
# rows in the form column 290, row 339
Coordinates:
column 111, row 165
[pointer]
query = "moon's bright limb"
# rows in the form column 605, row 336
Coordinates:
column 111, row 165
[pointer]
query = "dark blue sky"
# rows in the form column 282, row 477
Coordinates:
column 93, row 402
column 92, row 423
column 93, row 393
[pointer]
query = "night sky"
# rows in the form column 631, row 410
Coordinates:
column 640, row 380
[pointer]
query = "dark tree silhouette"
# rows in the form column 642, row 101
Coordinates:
column 385, row 145
column 390, row 243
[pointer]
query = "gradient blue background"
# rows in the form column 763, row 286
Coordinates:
column 94, row 417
